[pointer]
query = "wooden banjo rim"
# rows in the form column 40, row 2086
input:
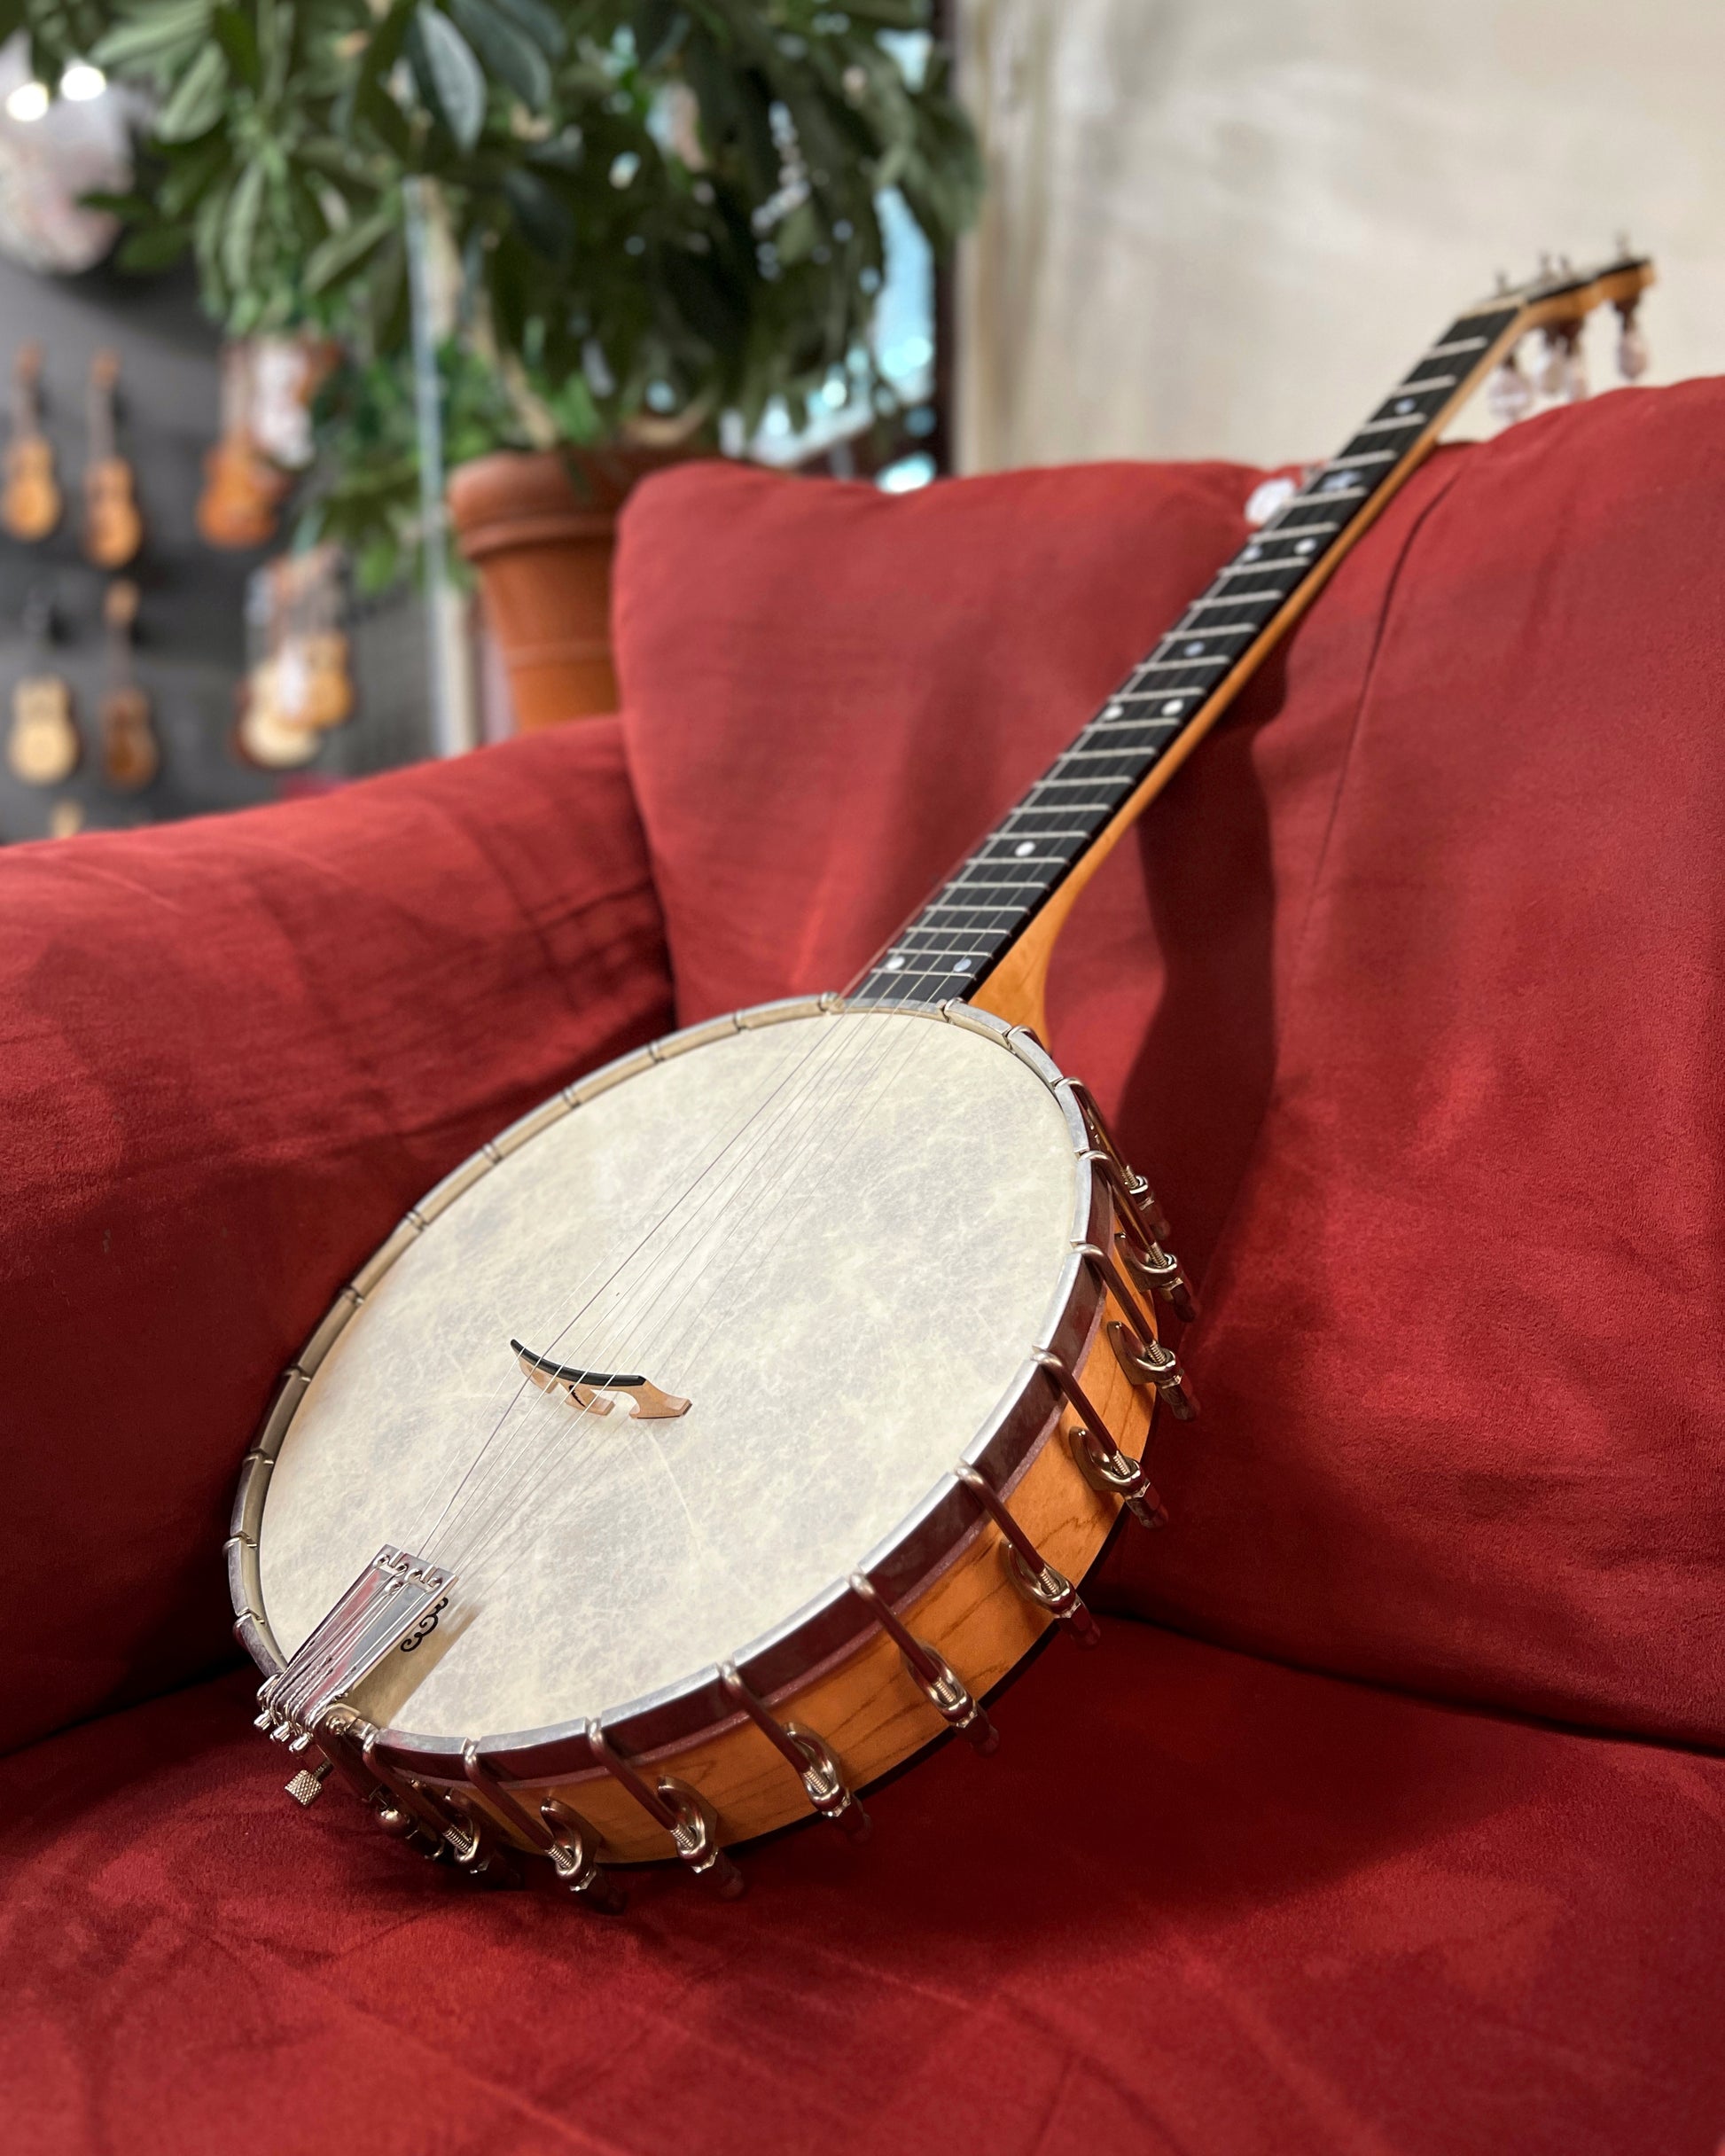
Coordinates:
column 832, row 1626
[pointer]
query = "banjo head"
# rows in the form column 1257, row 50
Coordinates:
column 828, row 1245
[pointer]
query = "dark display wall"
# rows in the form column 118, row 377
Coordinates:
column 191, row 650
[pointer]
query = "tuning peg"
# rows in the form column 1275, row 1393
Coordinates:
column 1631, row 345
column 1508, row 394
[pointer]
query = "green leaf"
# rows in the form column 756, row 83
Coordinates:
column 152, row 33
column 375, row 109
column 449, row 78
column 543, row 217
column 153, row 250
column 240, row 227
column 541, row 24
column 344, row 253
column 238, row 40
column 513, row 58
column 196, row 103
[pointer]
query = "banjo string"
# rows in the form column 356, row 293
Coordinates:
column 803, row 1065
column 743, row 1233
column 766, row 1193
column 525, row 1385
column 564, row 1463
column 632, row 1300
column 515, row 1455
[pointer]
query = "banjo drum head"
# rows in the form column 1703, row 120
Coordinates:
column 838, row 1234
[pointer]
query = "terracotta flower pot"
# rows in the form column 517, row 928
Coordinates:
column 540, row 527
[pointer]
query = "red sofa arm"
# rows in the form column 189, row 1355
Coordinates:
column 232, row 1053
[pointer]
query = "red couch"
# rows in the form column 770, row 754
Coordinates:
column 1391, row 1814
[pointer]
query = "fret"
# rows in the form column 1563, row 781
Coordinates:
column 1464, row 344
column 1238, row 598
column 1282, row 531
column 969, row 935
column 1366, row 456
column 1162, row 725
column 1075, row 831
column 1431, row 381
column 1163, row 665
column 1072, row 755
column 1219, row 628
column 1407, row 420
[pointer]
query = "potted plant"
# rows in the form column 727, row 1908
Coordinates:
column 643, row 222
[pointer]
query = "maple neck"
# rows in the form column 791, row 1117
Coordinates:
column 1055, row 834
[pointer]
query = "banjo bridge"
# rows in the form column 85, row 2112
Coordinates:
column 585, row 1388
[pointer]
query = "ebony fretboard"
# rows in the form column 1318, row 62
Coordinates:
column 982, row 908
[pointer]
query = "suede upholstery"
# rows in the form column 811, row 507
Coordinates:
column 1390, row 1815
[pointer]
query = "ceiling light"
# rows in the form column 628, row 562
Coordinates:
column 28, row 101
column 82, row 82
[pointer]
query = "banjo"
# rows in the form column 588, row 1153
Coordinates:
column 730, row 1428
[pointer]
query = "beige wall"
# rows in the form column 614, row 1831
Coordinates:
column 1221, row 227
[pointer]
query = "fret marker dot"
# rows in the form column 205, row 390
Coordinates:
column 1253, row 553
column 1305, row 546
column 1024, row 846
column 962, row 965
column 1114, row 711
column 1404, row 403
column 1173, row 708
column 894, row 966
column 1195, row 647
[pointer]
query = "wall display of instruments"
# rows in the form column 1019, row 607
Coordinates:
column 636, row 1498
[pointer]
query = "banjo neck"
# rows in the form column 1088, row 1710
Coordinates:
column 988, row 934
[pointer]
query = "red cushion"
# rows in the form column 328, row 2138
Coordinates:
column 1462, row 1366
column 1196, row 1903
column 232, row 1053
column 831, row 690
column 1441, row 892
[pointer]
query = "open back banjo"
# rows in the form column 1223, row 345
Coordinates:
column 731, row 1427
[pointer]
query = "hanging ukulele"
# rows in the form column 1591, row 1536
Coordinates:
column 130, row 757
column 243, row 490
column 42, row 747
column 30, row 503
column 114, row 531
column 301, row 687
